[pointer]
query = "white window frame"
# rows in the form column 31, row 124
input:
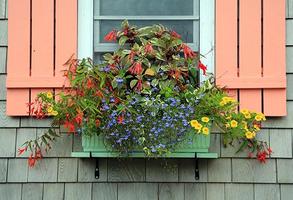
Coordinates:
column 206, row 32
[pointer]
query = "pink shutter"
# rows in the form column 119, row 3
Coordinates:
column 42, row 35
column 250, row 53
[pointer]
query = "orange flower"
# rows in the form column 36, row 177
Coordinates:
column 120, row 119
column 188, row 53
column 111, row 36
column 98, row 122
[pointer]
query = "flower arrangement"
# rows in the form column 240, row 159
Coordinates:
column 145, row 96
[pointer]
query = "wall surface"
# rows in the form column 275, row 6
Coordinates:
column 59, row 176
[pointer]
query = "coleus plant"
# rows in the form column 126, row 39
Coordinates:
column 144, row 96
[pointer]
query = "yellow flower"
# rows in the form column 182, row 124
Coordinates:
column 258, row 118
column 54, row 113
column 194, row 123
column 229, row 117
column 198, row 126
column 234, row 124
column 50, row 109
column 244, row 111
column 49, row 95
column 250, row 135
column 227, row 125
column 256, row 127
column 205, row 119
column 247, row 115
column 205, row 130
column 226, row 99
column 222, row 103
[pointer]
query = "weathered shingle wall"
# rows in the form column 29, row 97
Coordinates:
column 59, row 177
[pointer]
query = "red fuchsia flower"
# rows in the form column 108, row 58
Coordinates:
column 188, row 53
column 98, row 122
column 116, row 100
column 175, row 34
column 148, row 49
column 70, row 126
column 39, row 154
column 139, row 85
column 202, row 67
column 31, row 161
column 99, row 94
column 22, row 150
column 109, row 85
column 78, row 118
column 120, row 119
column 90, row 84
column 111, row 36
column 136, row 68
column 270, row 151
column 261, row 156
column 80, row 93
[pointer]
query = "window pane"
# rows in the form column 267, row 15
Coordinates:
column 184, row 28
column 144, row 7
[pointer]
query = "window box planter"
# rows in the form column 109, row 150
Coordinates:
column 95, row 144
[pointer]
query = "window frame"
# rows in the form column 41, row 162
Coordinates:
column 85, row 44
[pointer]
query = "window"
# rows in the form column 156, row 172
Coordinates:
column 192, row 19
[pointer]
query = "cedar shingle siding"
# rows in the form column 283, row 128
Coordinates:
column 60, row 177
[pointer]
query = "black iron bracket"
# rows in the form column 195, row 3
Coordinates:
column 97, row 168
column 196, row 169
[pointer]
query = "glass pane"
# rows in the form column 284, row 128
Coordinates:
column 184, row 28
column 144, row 7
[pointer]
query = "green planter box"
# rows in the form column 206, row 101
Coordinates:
column 199, row 144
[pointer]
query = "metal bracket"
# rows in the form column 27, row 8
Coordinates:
column 196, row 169
column 97, row 168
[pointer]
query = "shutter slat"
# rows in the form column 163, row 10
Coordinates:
column 42, row 38
column 250, row 51
column 274, row 60
column 226, row 42
column 18, row 54
column 66, row 34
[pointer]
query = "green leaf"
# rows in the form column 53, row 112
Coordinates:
column 125, row 24
column 160, row 57
column 133, row 83
column 114, row 83
column 243, row 145
column 122, row 40
column 155, row 82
